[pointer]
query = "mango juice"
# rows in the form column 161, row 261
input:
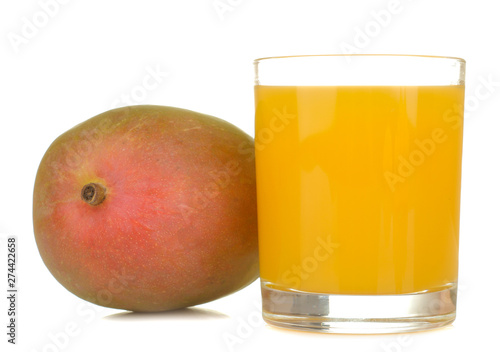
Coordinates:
column 358, row 187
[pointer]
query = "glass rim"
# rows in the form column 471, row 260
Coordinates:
column 256, row 61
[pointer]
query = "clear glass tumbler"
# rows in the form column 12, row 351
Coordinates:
column 358, row 189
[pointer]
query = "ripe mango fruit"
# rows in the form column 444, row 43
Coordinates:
column 148, row 208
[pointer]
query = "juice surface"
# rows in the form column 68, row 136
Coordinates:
column 358, row 187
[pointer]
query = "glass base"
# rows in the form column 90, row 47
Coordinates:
column 359, row 314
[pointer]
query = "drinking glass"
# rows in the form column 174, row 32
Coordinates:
column 358, row 163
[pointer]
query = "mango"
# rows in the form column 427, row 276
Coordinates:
column 148, row 208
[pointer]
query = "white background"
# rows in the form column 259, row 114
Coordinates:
column 83, row 57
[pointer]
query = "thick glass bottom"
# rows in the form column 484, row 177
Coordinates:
column 358, row 314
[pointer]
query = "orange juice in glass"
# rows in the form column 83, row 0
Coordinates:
column 358, row 188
